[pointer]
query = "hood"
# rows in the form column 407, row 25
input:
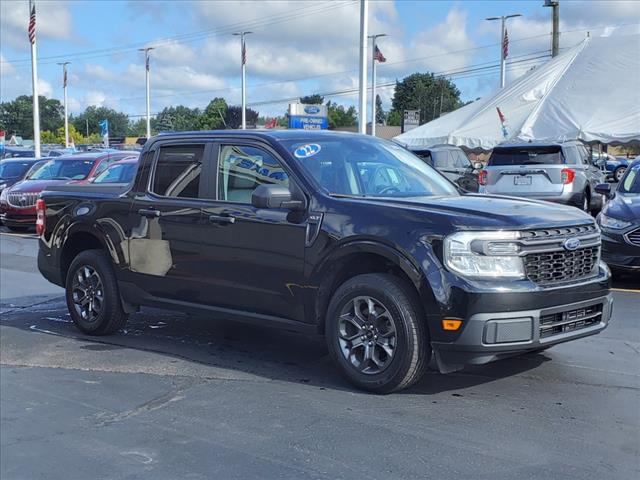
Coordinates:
column 494, row 212
column 624, row 206
column 30, row 186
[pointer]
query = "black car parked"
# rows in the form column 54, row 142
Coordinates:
column 620, row 221
column 453, row 163
column 341, row 234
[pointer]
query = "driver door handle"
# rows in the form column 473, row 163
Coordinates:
column 149, row 213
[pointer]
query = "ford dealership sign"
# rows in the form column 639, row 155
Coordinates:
column 308, row 117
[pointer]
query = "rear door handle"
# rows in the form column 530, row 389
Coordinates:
column 149, row 213
column 222, row 219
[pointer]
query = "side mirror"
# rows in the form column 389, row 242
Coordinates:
column 604, row 189
column 477, row 166
column 275, row 196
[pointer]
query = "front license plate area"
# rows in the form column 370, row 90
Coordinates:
column 522, row 180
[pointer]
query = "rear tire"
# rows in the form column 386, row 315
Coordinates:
column 376, row 333
column 92, row 294
column 585, row 203
column 618, row 173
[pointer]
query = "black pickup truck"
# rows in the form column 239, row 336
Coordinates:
column 344, row 235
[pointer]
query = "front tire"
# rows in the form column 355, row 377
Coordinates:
column 618, row 174
column 376, row 333
column 92, row 294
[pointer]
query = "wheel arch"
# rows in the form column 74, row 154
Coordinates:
column 357, row 258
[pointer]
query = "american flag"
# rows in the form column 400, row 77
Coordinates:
column 505, row 44
column 146, row 62
column 377, row 55
column 64, row 79
column 32, row 25
column 244, row 52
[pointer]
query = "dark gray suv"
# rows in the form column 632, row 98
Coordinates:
column 560, row 172
column 453, row 163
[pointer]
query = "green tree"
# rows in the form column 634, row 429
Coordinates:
column 213, row 117
column 312, row 99
column 380, row 113
column 16, row 116
column 394, row 118
column 118, row 121
column 138, row 128
column 338, row 116
column 47, row 136
column 177, row 119
column 233, row 118
column 423, row 91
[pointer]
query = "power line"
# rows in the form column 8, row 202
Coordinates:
column 257, row 23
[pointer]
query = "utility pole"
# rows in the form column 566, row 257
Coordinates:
column 243, row 55
column 555, row 31
column 66, row 112
column 146, row 66
column 34, row 78
column 504, row 45
column 362, row 84
column 373, row 80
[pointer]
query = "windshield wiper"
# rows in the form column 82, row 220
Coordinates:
column 346, row 195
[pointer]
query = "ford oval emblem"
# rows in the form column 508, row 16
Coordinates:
column 312, row 109
column 571, row 243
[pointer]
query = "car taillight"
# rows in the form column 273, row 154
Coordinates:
column 40, row 216
column 482, row 177
column 568, row 174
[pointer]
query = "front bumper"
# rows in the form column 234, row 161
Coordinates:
column 492, row 336
column 17, row 217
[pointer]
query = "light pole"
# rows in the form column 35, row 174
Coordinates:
column 374, row 57
column 66, row 112
column 362, row 84
column 555, row 32
column 243, row 58
column 146, row 66
column 503, row 45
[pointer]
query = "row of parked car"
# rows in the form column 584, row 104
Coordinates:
column 22, row 179
column 563, row 172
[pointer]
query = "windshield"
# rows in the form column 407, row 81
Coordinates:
column 118, row 173
column 368, row 167
column 63, row 170
column 529, row 156
column 14, row 169
column 631, row 181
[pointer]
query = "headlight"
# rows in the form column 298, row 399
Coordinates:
column 612, row 223
column 3, row 186
column 484, row 254
column 3, row 195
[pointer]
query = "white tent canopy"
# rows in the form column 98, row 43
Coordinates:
column 591, row 93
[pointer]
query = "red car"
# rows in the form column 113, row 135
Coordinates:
column 18, row 203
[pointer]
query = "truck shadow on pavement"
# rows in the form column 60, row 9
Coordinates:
column 239, row 349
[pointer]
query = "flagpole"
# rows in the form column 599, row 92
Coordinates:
column 66, row 115
column 34, row 79
column 362, row 84
column 243, row 61
column 147, row 85
column 373, row 81
column 503, row 58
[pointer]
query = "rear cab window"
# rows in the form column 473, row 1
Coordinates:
column 177, row 171
column 527, row 156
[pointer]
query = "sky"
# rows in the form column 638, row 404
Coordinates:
column 296, row 48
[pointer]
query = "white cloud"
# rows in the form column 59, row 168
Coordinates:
column 53, row 20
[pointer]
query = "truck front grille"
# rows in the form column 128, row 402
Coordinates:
column 22, row 200
column 561, row 266
column 570, row 320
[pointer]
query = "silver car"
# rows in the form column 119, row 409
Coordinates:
column 560, row 172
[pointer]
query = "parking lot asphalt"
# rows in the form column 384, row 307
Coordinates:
column 178, row 396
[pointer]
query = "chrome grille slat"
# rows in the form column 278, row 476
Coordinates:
column 633, row 237
column 22, row 200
